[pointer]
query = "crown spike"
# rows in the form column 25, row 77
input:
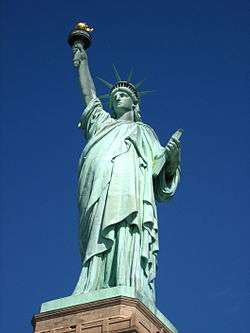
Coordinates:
column 106, row 83
column 143, row 93
column 117, row 75
column 105, row 96
column 137, row 85
column 130, row 75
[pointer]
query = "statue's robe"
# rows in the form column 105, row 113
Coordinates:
column 121, row 173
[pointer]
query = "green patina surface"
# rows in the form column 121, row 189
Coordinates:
column 123, row 170
column 106, row 294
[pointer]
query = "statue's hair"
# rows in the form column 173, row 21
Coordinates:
column 137, row 113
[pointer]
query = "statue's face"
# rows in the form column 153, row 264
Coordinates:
column 77, row 53
column 122, row 103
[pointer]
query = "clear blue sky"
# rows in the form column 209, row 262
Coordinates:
column 195, row 55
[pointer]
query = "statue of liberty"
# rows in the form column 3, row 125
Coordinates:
column 123, row 171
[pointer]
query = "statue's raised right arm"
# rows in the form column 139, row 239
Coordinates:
column 80, row 60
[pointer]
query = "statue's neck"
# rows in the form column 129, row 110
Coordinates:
column 128, row 116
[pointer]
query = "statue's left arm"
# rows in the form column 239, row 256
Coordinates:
column 168, row 175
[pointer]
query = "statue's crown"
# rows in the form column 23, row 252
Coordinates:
column 126, row 84
column 130, row 88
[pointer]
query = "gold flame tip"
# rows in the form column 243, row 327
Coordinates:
column 84, row 26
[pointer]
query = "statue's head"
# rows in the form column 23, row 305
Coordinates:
column 124, row 96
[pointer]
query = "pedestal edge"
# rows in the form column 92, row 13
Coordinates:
column 118, row 300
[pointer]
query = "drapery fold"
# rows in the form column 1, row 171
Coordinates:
column 121, row 174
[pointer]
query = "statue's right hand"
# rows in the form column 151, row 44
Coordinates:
column 79, row 54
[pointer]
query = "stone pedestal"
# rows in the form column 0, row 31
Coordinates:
column 112, row 315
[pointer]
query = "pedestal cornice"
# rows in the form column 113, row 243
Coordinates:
column 117, row 314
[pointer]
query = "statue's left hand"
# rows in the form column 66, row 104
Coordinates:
column 173, row 156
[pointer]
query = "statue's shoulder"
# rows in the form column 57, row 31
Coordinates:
column 148, row 129
column 94, row 103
